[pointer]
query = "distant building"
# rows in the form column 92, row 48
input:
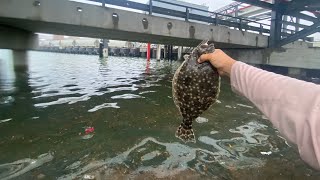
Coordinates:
column 58, row 37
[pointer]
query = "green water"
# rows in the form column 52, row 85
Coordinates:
column 47, row 100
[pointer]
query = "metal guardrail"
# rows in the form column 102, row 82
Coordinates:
column 212, row 18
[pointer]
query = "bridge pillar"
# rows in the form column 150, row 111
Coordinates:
column 165, row 52
column 179, row 52
column 105, row 48
column 158, row 52
column 17, row 39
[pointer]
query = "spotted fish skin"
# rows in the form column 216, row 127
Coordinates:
column 195, row 88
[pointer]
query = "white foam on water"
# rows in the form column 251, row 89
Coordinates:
column 102, row 106
column 228, row 106
column 218, row 101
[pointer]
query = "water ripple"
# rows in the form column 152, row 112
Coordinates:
column 17, row 168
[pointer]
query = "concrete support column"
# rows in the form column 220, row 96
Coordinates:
column 105, row 48
column 179, row 52
column 158, row 52
column 165, row 52
column 17, row 39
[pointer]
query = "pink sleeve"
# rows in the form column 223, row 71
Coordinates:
column 293, row 106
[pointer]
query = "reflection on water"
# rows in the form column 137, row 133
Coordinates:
column 47, row 100
column 17, row 168
column 169, row 159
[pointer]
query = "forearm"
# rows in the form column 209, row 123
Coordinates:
column 292, row 106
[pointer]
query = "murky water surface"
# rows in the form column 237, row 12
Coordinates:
column 48, row 101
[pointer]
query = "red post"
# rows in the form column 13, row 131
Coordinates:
column 148, row 51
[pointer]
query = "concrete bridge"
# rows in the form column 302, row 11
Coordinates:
column 79, row 19
column 244, row 41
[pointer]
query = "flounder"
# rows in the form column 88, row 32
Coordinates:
column 195, row 87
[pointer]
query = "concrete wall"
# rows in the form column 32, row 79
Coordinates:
column 17, row 39
column 63, row 17
column 295, row 55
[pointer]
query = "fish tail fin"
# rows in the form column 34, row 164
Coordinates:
column 185, row 134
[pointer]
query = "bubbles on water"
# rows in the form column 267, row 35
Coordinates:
column 102, row 106
column 17, row 168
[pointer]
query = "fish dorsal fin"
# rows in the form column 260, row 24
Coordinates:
column 202, row 43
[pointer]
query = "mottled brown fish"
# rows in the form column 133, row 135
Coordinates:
column 195, row 88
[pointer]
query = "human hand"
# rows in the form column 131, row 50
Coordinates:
column 219, row 60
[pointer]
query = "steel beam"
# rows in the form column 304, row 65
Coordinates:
column 294, row 24
column 301, row 16
column 301, row 34
column 276, row 25
column 258, row 3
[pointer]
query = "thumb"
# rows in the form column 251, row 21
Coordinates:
column 203, row 58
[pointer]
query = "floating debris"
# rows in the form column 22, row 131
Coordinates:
column 89, row 130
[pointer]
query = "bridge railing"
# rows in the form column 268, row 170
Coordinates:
column 211, row 17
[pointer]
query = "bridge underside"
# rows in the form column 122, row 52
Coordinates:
column 94, row 32
column 78, row 19
column 284, row 13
